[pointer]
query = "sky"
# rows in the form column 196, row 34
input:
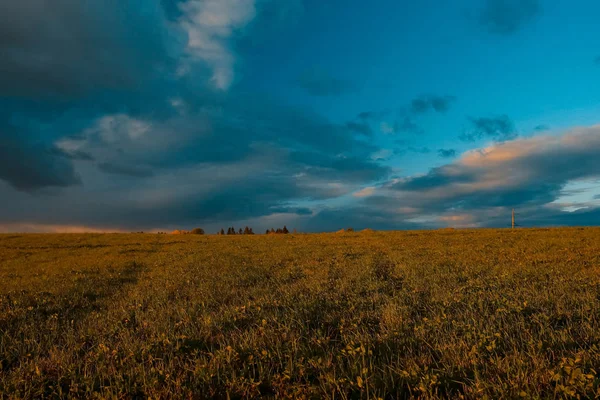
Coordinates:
column 154, row 115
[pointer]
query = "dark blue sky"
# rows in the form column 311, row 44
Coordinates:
column 163, row 114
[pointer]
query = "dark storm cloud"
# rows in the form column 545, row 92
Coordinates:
column 424, row 104
column 237, row 161
column 118, row 84
column 30, row 166
column 70, row 47
column 499, row 128
column 505, row 17
column 66, row 62
column 447, row 153
column 320, row 83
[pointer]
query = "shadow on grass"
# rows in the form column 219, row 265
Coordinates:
column 21, row 313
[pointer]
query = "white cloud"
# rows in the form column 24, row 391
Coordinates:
column 209, row 25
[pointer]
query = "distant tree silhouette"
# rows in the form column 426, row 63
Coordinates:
column 246, row 230
column 251, row 232
column 272, row 230
column 285, row 230
column 241, row 232
column 267, row 232
column 197, row 231
column 222, row 232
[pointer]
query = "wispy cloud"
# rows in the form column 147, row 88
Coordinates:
column 447, row 153
column 505, row 17
column 209, row 25
column 366, row 192
column 424, row 104
column 499, row 128
column 405, row 119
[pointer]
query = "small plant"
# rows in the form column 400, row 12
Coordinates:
column 197, row 231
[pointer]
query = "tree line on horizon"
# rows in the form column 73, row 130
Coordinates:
column 231, row 231
column 248, row 231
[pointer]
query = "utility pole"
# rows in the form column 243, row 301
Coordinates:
column 513, row 218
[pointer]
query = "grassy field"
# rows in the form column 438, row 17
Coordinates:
column 466, row 313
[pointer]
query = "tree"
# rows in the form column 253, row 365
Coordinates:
column 222, row 232
column 197, row 231
column 251, row 232
column 285, row 230
column 246, row 231
column 272, row 230
column 241, row 232
column 267, row 232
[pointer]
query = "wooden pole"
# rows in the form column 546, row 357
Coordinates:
column 513, row 218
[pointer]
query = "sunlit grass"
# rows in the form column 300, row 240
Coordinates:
column 494, row 313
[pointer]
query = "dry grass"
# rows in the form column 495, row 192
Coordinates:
column 352, row 315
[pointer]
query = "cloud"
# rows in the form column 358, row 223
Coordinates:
column 366, row 192
column 541, row 128
column 249, row 158
column 71, row 51
column 447, row 153
column 31, row 166
column 404, row 119
column 320, row 83
column 90, row 112
column 529, row 174
column 358, row 217
column 209, row 25
column 405, row 125
column 424, row 104
column 505, row 17
column 499, row 128
column 127, row 170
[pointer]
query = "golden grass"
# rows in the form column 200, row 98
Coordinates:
column 465, row 313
